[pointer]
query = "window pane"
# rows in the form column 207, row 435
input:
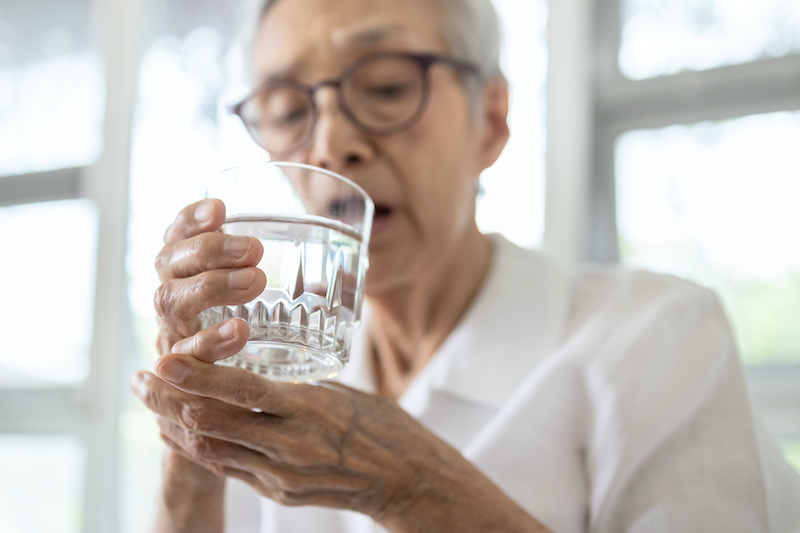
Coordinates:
column 47, row 283
column 513, row 198
column 717, row 203
column 42, row 484
column 667, row 36
column 51, row 86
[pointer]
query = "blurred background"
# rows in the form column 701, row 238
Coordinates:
column 661, row 134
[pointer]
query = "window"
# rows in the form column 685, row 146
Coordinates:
column 668, row 36
column 62, row 211
column 714, row 202
column 51, row 86
column 695, row 123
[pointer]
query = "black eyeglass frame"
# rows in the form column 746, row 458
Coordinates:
column 425, row 62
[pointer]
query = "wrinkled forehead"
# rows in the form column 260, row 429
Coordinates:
column 303, row 36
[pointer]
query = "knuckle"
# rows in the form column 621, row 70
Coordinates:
column 197, row 445
column 162, row 260
column 202, row 250
column 192, row 417
column 249, row 393
column 204, row 284
column 197, row 248
column 162, row 299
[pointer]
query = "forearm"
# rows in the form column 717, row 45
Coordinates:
column 459, row 498
column 192, row 498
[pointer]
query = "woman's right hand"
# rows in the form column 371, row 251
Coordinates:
column 200, row 267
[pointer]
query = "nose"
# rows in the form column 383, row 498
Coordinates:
column 337, row 144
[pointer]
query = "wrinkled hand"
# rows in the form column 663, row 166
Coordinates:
column 200, row 267
column 324, row 444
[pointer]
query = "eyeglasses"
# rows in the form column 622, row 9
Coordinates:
column 381, row 94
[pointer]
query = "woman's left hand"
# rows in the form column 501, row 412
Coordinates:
column 322, row 444
column 325, row 444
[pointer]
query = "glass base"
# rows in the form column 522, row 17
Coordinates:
column 279, row 361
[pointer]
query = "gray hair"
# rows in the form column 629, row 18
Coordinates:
column 471, row 31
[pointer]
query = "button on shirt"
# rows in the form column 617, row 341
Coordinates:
column 601, row 400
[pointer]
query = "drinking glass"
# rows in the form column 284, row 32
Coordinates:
column 314, row 226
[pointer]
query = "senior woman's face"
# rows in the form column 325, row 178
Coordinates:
column 422, row 179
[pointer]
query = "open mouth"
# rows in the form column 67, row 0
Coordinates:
column 381, row 218
column 382, row 211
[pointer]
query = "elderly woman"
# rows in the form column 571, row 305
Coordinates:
column 489, row 389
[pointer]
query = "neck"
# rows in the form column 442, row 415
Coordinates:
column 410, row 322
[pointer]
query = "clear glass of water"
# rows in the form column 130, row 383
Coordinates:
column 314, row 226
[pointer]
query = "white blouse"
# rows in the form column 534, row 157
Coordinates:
column 602, row 400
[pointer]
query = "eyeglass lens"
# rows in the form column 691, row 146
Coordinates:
column 380, row 95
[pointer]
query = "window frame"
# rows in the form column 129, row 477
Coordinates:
column 620, row 104
column 90, row 410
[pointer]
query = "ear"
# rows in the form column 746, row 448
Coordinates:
column 494, row 114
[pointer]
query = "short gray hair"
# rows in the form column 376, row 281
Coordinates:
column 471, row 31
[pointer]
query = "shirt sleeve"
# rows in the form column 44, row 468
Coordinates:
column 673, row 444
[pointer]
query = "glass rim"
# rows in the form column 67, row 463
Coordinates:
column 305, row 166
column 369, row 205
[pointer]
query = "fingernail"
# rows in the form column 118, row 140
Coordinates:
column 173, row 371
column 227, row 330
column 203, row 213
column 242, row 279
column 238, row 246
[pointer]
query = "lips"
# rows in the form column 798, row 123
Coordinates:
column 381, row 217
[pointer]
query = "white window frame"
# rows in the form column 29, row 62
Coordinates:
column 590, row 104
column 90, row 411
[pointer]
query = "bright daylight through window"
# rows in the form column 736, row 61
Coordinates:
column 716, row 203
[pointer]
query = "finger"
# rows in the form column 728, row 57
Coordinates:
column 206, row 416
column 207, row 251
column 287, row 485
column 210, row 417
column 182, row 300
column 199, row 217
column 210, row 450
column 230, row 385
column 216, row 342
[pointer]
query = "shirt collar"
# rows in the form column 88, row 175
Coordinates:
column 516, row 320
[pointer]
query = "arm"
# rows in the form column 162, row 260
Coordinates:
column 191, row 498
